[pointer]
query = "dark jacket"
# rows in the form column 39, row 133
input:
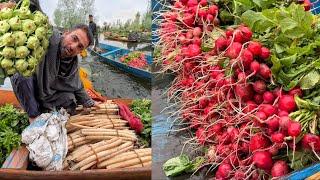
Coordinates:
column 93, row 28
column 58, row 80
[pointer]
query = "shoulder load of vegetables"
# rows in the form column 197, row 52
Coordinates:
column 135, row 59
column 248, row 91
column 23, row 39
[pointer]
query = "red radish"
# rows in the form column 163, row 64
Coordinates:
column 255, row 67
column 193, row 50
column 201, row 136
column 242, row 77
column 277, row 92
column 294, row 128
column 258, row 98
column 255, row 48
column 192, row 3
column 287, row 103
column 203, row 3
column 307, row 5
column 239, row 175
column 197, row 41
column 247, row 33
column 233, row 132
column 213, row 10
column 268, row 97
column 258, row 141
column 221, row 44
column 283, row 113
column 234, row 50
column 310, row 141
column 268, row 109
column 229, row 32
column 279, row 169
column 244, row 91
column 210, row 17
column 277, row 137
column 203, row 102
column 296, row 91
column 263, row 160
column 274, row 150
column 215, row 129
column 197, row 32
column 178, row 5
column 265, row 71
column 189, row 35
column 183, row 39
column 238, row 37
column 224, row 171
column 188, row 19
column 247, row 58
column 202, row 13
column 184, row 2
column 261, row 115
column 265, row 53
column 250, row 107
column 259, row 87
column 283, row 122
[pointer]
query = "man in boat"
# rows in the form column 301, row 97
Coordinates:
column 93, row 29
column 56, row 82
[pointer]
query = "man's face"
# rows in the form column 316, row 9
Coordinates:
column 73, row 43
column 90, row 19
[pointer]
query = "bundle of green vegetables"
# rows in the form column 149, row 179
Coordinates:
column 12, row 123
column 23, row 39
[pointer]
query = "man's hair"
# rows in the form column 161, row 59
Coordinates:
column 86, row 29
column 90, row 15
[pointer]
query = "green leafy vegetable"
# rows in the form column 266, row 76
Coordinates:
column 142, row 108
column 12, row 123
column 181, row 164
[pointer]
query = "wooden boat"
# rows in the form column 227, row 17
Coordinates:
column 111, row 54
column 15, row 166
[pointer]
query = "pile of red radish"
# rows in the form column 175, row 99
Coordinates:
column 223, row 94
column 136, row 62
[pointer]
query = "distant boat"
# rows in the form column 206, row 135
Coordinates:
column 111, row 55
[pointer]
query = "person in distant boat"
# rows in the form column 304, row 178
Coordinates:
column 93, row 29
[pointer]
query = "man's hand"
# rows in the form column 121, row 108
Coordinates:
column 32, row 119
column 9, row 4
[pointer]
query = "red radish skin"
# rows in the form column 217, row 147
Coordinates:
column 283, row 122
column 196, row 41
column 255, row 67
column 242, row 77
column 268, row 109
column 203, row 3
column 258, row 141
column 280, row 168
column 234, row 50
column 261, row 115
column 287, row 103
column 213, row 9
column 238, row 37
column 247, row 33
column 221, row 44
column 224, row 171
column 273, row 123
column 255, row 48
column 265, row 71
column 265, row 53
column 283, row 113
column 258, row 98
column 247, row 58
column 263, row 160
column 294, row 128
column 229, row 33
column 192, row 3
column 296, row 91
column 268, row 97
column 278, row 92
column 197, row 32
column 311, row 141
column 277, row 137
column 193, row 50
column 259, row 86
column 244, row 91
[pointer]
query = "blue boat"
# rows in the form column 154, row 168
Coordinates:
column 111, row 56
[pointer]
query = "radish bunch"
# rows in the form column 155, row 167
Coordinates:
column 223, row 94
column 135, row 59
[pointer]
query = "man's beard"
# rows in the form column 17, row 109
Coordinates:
column 64, row 52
